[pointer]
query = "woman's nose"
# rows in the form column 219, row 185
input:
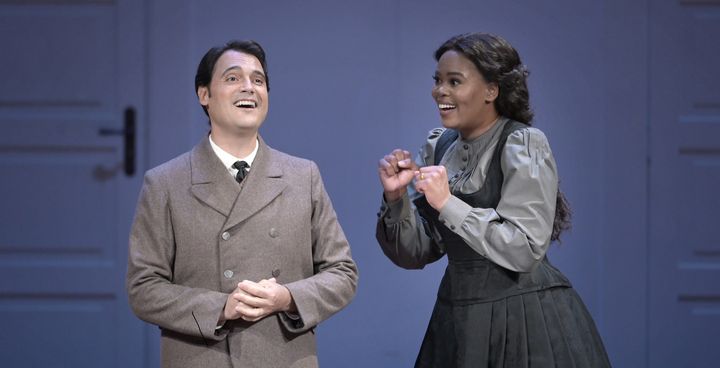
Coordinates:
column 439, row 90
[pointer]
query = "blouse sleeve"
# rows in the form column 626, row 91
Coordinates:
column 400, row 230
column 516, row 234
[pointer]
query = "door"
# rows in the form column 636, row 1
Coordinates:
column 684, row 251
column 71, row 71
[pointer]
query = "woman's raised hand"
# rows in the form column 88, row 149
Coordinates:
column 397, row 169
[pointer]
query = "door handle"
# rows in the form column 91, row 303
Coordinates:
column 128, row 133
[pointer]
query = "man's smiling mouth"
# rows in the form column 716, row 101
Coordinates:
column 246, row 104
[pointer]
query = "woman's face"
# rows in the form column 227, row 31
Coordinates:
column 464, row 98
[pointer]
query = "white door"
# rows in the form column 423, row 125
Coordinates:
column 70, row 69
column 684, row 217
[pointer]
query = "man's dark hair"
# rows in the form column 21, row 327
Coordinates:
column 207, row 64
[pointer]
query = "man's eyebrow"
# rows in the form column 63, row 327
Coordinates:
column 258, row 73
column 231, row 68
column 235, row 67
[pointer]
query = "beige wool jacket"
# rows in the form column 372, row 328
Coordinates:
column 197, row 233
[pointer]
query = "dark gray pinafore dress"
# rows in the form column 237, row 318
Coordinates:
column 489, row 316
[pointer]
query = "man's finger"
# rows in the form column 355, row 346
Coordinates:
column 251, row 314
column 249, row 300
column 268, row 283
column 253, row 288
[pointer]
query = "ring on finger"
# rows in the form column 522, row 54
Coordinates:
column 422, row 176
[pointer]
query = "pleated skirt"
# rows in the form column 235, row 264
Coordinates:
column 538, row 329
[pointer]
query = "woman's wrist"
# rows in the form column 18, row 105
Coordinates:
column 395, row 195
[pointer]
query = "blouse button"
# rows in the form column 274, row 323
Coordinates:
column 464, row 159
column 452, row 227
column 465, row 146
column 273, row 232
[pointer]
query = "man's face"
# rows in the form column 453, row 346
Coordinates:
column 237, row 97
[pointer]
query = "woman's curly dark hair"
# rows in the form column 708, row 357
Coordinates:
column 563, row 216
column 498, row 62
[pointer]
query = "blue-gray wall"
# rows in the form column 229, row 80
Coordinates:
column 351, row 81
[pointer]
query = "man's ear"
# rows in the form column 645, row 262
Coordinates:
column 203, row 94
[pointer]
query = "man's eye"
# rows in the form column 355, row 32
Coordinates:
column 259, row 81
column 231, row 78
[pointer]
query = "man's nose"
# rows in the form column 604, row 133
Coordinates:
column 247, row 85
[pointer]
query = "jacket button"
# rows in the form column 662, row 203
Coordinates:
column 228, row 274
column 452, row 227
column 276, row 272
column 273, row 232
column 225, row 235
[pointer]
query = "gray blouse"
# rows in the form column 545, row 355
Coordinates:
column 515, row 235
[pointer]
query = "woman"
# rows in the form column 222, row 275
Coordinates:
column 484, row 192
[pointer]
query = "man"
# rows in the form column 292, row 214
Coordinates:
column 235, row 251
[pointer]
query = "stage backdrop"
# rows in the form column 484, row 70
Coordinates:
column 627, row 93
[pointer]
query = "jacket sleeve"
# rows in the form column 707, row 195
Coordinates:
column 334, row 282
column 152, row 294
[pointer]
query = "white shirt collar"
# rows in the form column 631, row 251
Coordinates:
column 228, row 160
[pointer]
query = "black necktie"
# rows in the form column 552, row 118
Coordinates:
column 242, row 167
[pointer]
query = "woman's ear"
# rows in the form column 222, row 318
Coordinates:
column 491, row 92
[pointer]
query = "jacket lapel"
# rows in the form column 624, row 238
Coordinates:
column 211, row 182
column 262, row 185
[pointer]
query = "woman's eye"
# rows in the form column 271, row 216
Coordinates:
column 454, row 82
